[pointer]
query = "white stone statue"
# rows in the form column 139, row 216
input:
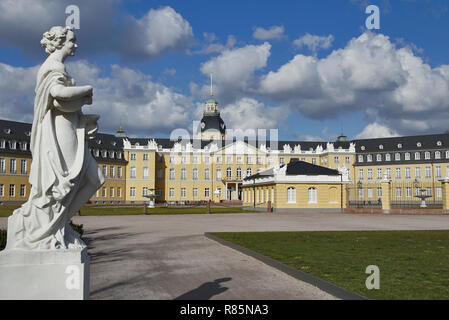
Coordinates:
column 64, row 175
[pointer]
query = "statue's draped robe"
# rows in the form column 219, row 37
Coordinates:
column 42, row 222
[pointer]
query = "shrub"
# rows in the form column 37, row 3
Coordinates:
column 77, row 227
column 2, row 239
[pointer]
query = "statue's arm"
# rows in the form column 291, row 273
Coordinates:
column 71, row 106
column 63, row 93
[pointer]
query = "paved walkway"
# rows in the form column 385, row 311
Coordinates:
column 168, row 257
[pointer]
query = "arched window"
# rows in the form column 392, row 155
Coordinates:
column 239, row 172
column 248, row 172
column 312, row 195
column 228, row 172
column 291, row 195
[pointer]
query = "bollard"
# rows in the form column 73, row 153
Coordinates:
column 144, row 208
column 269, row 206
column 208, row 207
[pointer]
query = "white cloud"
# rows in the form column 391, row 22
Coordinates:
column 217, row 47
column 126, row 97
column 375, row 130
column 389, row 84
column 275, row 32
column 233, row 70
column 248, row 113
column 159, row 31
column 313, row 42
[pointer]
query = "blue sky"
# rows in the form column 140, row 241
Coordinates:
column 391, row 81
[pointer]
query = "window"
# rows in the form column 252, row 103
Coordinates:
column 379, row 192
column 12, row 190
column 228, row 173
column 370, row 193
column 361, row 193
column 347, row 160
column 408, row 192
column 22, row 190
column 145, row 173
column 160, row 173
column 398, row 192
column 219, row 159
column 103, row 192
column 313, row 160
column 387, row 157
column 111, row 154
column 437, row 155
column 111, row 192
column 259, row 160
column 172, row 159
column 183, row 160
column 228, row 159
column 438, row 172
column 427, row 155
column 207, row 174
column 407, row 156
column 399, row 145
column 97, row 194
column 398, row 173
column 218, row 174
column 239, row 160
column 172, row 192
column 291, row 195
column 428, row 172
column 195, row 160
column 12, row 166
column 281, row 160
column 119, row 192
column 312, row 195
column 112, row 172
column 439, row 192
column 397, row 156
column 360, row 174
column 360, row 158
column 429, row 191
column 206, row 192
column 12, row 144
column 23, row 166
column 195, row 193
column 133, row 173
column 183, row 192
column 119, row 155
column 417, row 156
column 417, row 173
column 105, row 171
column 145, row 157
column 239, row 173
column 379, row 157
column 133, row 157
column 2, row 165
column 23, row 146
column 369, row 174
column 407, row 173
column 171, row 174
column 195, row 174
column 159, row 158
column 379, row 173
column 369, row 158
column 183, row 174
column 206, row 159
column 2, row 190
column 2, row 144
column 248, row 172
column 447, row 154
column 119, row 172
column 381, row 147
column 336, row 160
column 388, row 172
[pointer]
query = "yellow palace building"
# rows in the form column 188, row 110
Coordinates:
column 217, row 166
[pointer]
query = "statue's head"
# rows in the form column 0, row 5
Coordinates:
column 59, row 38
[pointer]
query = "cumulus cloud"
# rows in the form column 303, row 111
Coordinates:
column 375, row 130
column 313, row 42
column 234, row 70
column 275, row 32
column 159, row 31
column 390, row 85
column 248, row 113
column 216, row 46
column 126, row 97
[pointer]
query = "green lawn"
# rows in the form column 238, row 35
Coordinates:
column 413, row 264
column 6, row 210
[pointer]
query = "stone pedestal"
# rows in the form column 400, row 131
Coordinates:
column 44, row 275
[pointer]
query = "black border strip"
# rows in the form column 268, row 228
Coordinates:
column 328, row 287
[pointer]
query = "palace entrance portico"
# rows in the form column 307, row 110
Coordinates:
column 233, row 190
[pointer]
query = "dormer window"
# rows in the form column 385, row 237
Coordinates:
column 28, row 133
column 23, row 146
column 2, row 144
column 111, row 154
column 387, row 157
column 119, row 155
column 114, row 143
column 399, row 145
column 397, row 157
column 12, row 144
column 407, row 156
column 437, row 155
column 98, row 141
column 360, row 158
column 362, row 148
column 417, row 156
column 418, row 144
column 369, row 158
column 7, row 131
column 381, row 147
column 379, row 157
column 439, row 143
column 104, row 153
column 427, row 155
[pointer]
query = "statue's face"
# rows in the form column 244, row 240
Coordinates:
column 70, row 44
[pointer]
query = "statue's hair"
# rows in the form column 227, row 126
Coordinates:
column 54, row 39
